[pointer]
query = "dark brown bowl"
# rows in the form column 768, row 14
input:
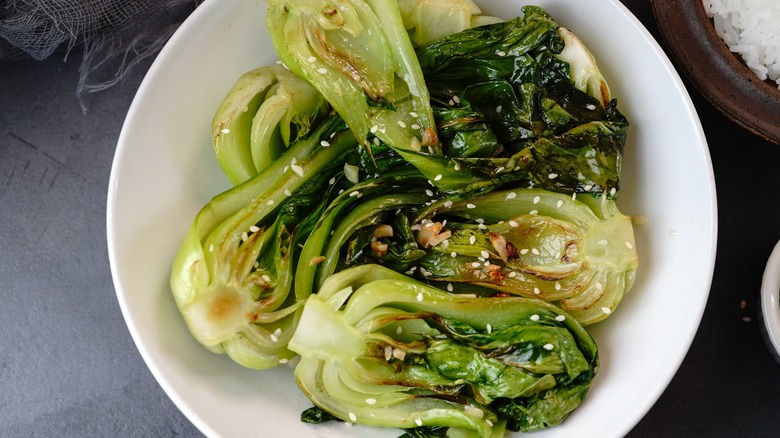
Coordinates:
column 718, row 74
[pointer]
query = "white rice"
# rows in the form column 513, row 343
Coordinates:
column 750, row 28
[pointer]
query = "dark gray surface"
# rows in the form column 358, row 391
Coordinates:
column 68, row 367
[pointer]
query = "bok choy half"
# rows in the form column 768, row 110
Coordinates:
column 381, row 349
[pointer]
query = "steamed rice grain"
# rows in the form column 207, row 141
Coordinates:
column 750, row 28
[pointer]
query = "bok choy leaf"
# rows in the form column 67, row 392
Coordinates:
column 232, row 276
column 381, row 349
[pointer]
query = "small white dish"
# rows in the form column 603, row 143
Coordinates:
column 770, row 302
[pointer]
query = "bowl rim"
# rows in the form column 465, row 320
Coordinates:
column 770, row 301
column 708, row 64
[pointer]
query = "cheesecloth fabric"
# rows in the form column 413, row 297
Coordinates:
column 112, row 35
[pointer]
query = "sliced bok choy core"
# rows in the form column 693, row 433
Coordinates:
column 429, row 20
column 539, row 244
column 578, row 254
column 379, row 348
column 357, row 54
column 232, row 276
column 266, row 110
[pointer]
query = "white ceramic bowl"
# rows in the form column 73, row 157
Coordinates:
column 164, row 171
column 770, row 302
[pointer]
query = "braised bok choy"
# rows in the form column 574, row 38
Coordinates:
column 381, row 349
column 423, row 211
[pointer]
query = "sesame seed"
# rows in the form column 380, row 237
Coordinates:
column 513, row 224
column 254, row 228
column 599, row 286
column 244, row 236
column 590, row 106
column 534, row 317
column 418, row 422
column 485, row 254
column 429, row 192
column 226, row 131
column 524, row 251
column 548, row 347
column 537, row 199
column 211, row 248
column 274, row 338
column 438, row 177
column 471, row 206
column 587, row 187
column 414, row 114
column 557, row 285
column 534, row 251
column 297, row 169
column 612, row 191
column 533, row 212
column 602, row 242
column 475, row 264
column 419, row 296
column 559, row 204
column 451, row 102
column 489, row 328
column 352, row 416
column 354, row 193
column 270, row 202
column 283, row 361
column 266, row 278
column 287, row 192
column 456, row 99
column 552, row 176
column 606, row 310
column 448, row 204
column 482, row 226
column 488, row 422
column 574, row 196
column 332, row 181
column 415, row 126
column 312, row 59
column 511, row 195
column 500, row 53
column 374, row 129
column 512, row 274
column 472, row 240
column 454, row 254
column 629, row 245
column 399, row 330
column 537, row 291
column 371, row 401
column 322, row 70
column 324, row 143
column 560, row 318
column 401, row 124
column 498, row 109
